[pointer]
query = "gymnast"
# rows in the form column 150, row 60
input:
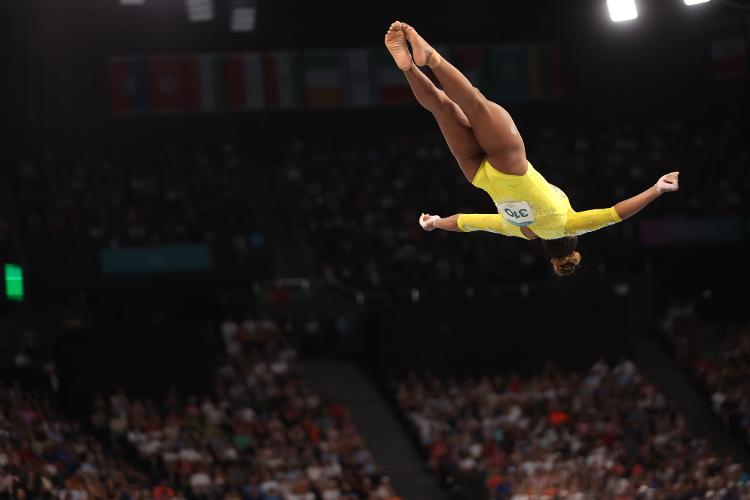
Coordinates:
column 488, row 147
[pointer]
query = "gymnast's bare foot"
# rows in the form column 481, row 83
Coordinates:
column 396, row 44
column 420, row 49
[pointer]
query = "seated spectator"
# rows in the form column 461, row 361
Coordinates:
column 43, row 455
column 125, row 197
column 605, row 434
column 716, row 353
column 263, row 433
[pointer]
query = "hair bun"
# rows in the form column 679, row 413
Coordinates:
column 565, row 266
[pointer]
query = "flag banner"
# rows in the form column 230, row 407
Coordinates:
column 254, row 84
column 359, row 77
column 128, row 85
column 245, row 89
column 339, row 78
column 392, row 85
column 206, row 83
column 509, row 73
column 729, row 57
column 323, row 77
column 167, row 81
column 283, row 79
column 545, row 71
column 473, row 62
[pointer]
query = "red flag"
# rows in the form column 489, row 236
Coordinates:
column 168, row 83
column 235, row 78
column 128, row 85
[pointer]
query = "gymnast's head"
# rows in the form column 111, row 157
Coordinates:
column 562, row 251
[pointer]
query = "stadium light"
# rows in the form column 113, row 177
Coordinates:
column 200, row 10
column 695, row 2
column 244, row 15
column 622, row 10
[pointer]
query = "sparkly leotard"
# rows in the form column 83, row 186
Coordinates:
column 529, row 200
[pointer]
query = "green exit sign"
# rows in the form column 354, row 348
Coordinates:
column 13, row 282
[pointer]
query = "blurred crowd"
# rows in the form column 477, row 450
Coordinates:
column 43, row 455
column 358, row 201
column 262, row 434
column 124, row 197
column 606, row 433
column 716, row 353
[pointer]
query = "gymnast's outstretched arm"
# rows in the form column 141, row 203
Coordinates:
column 579, row 223
column 432, row 222
column 492, row 223
column 632, row 206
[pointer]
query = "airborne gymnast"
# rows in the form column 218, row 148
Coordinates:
column 490, row 151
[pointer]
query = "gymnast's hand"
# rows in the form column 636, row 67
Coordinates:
column 427, row 221
column 668, row 183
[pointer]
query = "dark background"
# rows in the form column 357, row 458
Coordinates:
column 54, row 98
column 55, row 88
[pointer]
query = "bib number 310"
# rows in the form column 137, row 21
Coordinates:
column 518, row 213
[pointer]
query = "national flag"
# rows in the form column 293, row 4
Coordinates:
column 545, row 71
column 167, row 79
column 729, row 57
column 323, row 77
column 283, row 79
column 244, row 81
column 472, row 61
column 359, row 77
column 392, row 85
column 128, row 85
column 509, row 73
column 206, row 83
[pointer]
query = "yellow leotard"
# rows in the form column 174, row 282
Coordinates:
column 529, row 200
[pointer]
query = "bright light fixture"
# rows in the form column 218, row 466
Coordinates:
column 622, row 10
column 200, row 10
column 243, row 19
column 244, row 15
column 695, row 2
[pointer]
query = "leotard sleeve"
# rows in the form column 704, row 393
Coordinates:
column 590, row 220
column 492, row 223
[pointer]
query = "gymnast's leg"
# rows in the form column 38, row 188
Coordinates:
column 493, row 127
column 452, row 122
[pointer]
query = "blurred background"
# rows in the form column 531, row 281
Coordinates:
column 214, row 284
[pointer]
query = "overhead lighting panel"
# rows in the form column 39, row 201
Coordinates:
column 200, row 10
column 244, row 15
column 622, row 10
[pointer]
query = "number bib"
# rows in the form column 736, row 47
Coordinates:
column 518, row 213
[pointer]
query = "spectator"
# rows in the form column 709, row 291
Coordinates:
column 43, row 455
column 606, row 434
column 716, row 353
column 263, row 432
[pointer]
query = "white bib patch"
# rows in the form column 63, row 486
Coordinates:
column 518, row 213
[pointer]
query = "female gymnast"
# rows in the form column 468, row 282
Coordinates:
column 484, row 140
